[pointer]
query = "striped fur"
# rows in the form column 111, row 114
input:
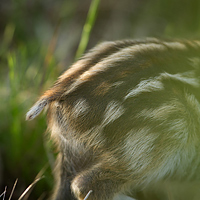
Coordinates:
column 125, row 117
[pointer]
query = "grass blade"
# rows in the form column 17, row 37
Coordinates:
column 88, row 194
column 13, row 189
column 91, row 17
column 29, row 187
column 3, row 194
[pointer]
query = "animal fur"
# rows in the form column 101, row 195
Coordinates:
column 126, row 117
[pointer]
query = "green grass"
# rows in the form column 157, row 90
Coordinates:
column 91, row 17
column 31, row 68
column 22, row 143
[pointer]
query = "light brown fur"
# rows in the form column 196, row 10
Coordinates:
column 126, row 119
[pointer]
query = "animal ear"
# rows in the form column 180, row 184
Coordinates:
column 37, row 108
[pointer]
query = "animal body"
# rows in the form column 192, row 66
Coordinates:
column 126, row 117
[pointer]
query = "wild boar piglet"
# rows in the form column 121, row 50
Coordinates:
column 125, row 116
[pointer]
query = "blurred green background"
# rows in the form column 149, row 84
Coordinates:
column 39, row 39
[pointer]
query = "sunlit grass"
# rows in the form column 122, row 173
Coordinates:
column 22, row 142
column 91, row 17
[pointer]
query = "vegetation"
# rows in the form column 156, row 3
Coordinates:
column 39, row 40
